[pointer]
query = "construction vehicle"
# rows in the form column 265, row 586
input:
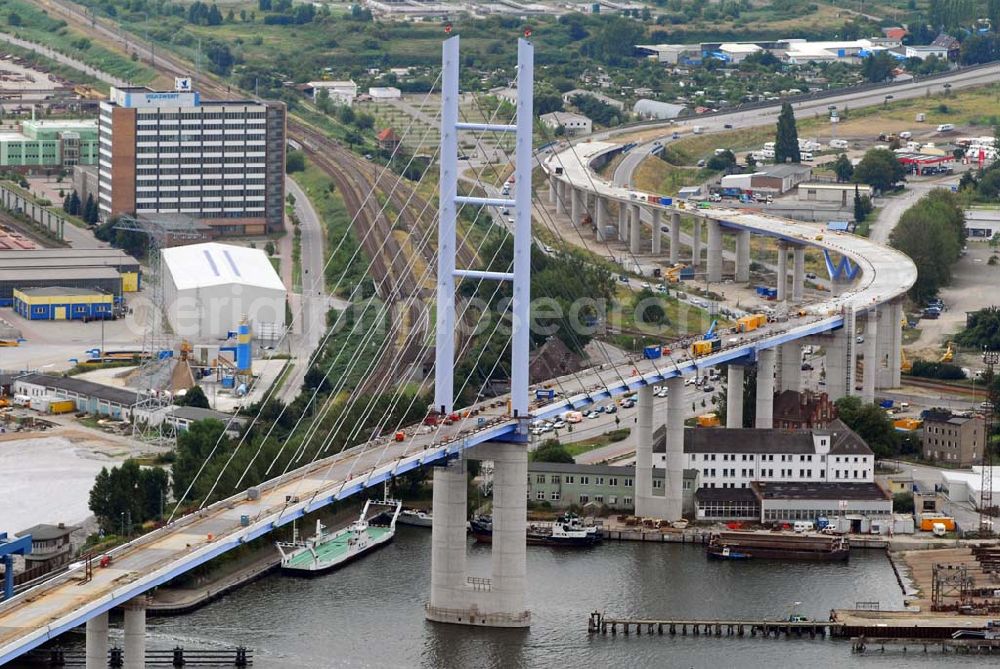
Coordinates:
column 905, row 364
column 678, row 273
column 709, row 420
column 9, row 342
column 751, row 322
column 948, row 355
column 907, row 424
column 709, row 342
column 89, row 93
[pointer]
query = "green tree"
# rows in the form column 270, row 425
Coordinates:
column 551, row 451
column 878, row 67
column 194, row 446
column 871, row 423
column 194, row 397
column 127, row 495
column 786, row 138
column 295, row 161
column 931, row 233
column 843, row 168
column 982, row 330
column 14, row 19
column 902, row 502
column 880, row 169
column 649, row 307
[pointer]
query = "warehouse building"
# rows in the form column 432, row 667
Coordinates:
column 59, row 303
column 50, row 145
column 110, row 271
column 222, row 162
column 91, row 397
column 209, row 288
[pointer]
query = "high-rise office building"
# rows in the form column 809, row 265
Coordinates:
column 219, row 161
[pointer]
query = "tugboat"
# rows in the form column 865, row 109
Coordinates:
column 568, row 530
column 325, row 551
column 415, row 518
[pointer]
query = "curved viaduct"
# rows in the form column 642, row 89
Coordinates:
column 868, row 284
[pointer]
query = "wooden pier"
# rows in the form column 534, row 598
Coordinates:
column 812, row 629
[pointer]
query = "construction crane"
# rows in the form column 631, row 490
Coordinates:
column 710, row 334
column 986, row 509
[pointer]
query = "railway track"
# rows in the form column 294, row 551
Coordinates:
column 353, row 176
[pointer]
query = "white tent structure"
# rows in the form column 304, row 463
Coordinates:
column 209, row 288
column 966, row 486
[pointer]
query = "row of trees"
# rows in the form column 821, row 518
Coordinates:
column 874, row 426
column 932, row 234
column 89, row 211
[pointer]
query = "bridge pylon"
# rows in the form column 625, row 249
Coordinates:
column 497, row 601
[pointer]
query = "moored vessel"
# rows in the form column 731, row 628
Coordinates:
column 324, row 550
column 780, row 546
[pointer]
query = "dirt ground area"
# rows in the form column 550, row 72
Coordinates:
column 973, row 281
column 920, row 565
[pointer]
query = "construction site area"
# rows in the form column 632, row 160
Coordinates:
column 963, row 580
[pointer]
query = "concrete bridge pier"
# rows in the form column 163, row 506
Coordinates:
column 575, row 197
column 895, row 327
column 560, row 197
column 734, row 396
column 553, row 189
column 657, row 233
column 871, row 368
column 764, row 418
column 675, row 238
column 635, row 229
column 696, row 244
column 645, row 503
column 600, row 217
column 798, row 273
column 97, row 642
column 714, row 251
column 782, row 272
column 622, row 221
column 497, row 601
column 673, row 484
column 743, row 256
column 841, row 357
column 448, row 586
column 135, row 633
column 790, row 374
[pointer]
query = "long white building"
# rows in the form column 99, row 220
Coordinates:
column 734, row 458
column 171, row 152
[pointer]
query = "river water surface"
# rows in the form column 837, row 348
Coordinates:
column 370, row 613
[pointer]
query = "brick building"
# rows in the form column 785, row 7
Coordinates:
column 957, row 440
column 803, row 410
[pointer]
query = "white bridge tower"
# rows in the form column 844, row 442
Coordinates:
column 497, row 601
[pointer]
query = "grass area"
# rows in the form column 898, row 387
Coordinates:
column 82, row 368
column 275, row 263
column 658, row 176
column 689, row 150
column 346, row 268
column 680, row 319
column 37, row 26
column 580, row 447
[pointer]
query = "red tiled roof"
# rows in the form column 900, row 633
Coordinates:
column 387, row 135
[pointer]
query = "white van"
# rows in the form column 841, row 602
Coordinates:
column 769, row 146
column 945, row 127
column 805, row 155
column 839, row 144
column 906, row 134
column 801, row 526
column 697, row 130
column 768, row 153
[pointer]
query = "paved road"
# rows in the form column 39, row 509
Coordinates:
column 766, row 115
column 310, row 306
